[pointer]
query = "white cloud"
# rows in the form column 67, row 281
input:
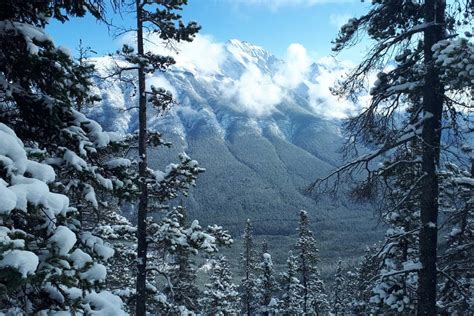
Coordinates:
column 203, row 55
column 321, row 99
column 255, row 93
column 296, row 67
column 339, row 20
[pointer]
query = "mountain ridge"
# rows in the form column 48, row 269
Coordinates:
column 258, row 162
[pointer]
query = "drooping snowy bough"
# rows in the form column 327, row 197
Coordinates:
column 43, row 266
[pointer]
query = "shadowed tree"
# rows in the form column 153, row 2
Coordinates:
column 416, row 54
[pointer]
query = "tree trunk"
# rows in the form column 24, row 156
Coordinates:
column 142, row 167
column 432, row 105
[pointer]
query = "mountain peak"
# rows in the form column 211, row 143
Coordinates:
column 246, row 53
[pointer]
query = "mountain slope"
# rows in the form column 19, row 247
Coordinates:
column 261, row 141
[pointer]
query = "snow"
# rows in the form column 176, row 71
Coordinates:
column 25, row 262
column 29, row 32
column 90, row 196
column 106, row 183
column 29, row 190
column 72, row 159
column 97, row 245
column 267, row 259
column 7, row 198
column 71, row 292
column 97, row 272
column 159, row 175
column 40, row 171
column 64, row 239
column 103, row 251
column 12, row 148
column 58, row 203
column 53, row 292
column 94, row 130
column 118, row 163
column 80, row 258
column 36, row 192
column 6, row 241
column 104, row 304
column 465, row 180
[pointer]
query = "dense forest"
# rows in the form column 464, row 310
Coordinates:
column 67, row 248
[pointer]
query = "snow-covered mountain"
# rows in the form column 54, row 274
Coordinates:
column 264, row 128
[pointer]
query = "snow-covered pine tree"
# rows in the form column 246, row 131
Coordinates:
column 248, row 287
column 40, row 84
column 291, row 301
column 221, row 296
column 313, row 294
column 121, row 267
column 159, row 17
column 173, row 245
column 267, row 287
column 359, row 282
column 420, row 49
column 456, row 288
column 43, row 266
column 339, row 296
column 182, row 271
column 397, row 281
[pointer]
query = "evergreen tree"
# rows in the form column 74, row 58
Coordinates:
column 248, row 288
column 457, row 270
column 291, row 302
column 314, row 296
column 360, row 283
column 182, row 274
column 396, row 285
column 45, row 265
column 412, row 38
column 158, row 17
column 339, row 292
column 40, row 86
column 220, row 296
column 174, row 244
column 267, row 286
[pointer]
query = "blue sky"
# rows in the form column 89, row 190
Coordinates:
column 272, row 24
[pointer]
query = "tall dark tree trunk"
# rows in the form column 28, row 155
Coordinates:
column 142, row 167
column 433, row 105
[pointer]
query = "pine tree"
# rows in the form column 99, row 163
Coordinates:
column 455, row 285
column 267, row 286
column 45, row 266
column 314, row 296
column 291, row 302
column 40, row 86
column 412, row 38
column 160, row 17
column 396, row 285
column 360, row 282
column 339, row 294
column 182, row 274
column 220, row 296
column 173, row 246
column 248, row 288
